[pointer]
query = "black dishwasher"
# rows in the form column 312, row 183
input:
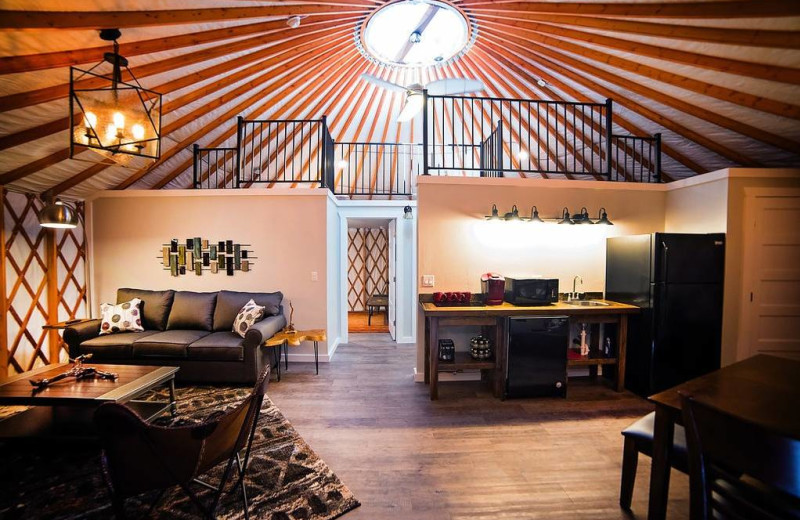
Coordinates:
column 537, row 356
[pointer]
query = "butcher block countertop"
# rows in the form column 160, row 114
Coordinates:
column 506, row 309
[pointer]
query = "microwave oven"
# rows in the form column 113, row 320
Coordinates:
column 531, row 291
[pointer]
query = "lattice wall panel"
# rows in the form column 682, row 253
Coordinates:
column 25, row 287
column 368, row 265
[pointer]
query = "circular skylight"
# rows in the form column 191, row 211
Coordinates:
column 413, row 33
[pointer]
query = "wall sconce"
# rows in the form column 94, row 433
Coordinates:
column 495, row 215
column 604, row 218
column 58, row 215
column 582, row 217
column 117, row 117
column 535, row 216
column 565, row 217
column 512, row 215
column 407, row 213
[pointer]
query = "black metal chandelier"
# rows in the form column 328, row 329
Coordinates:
column 112, row 115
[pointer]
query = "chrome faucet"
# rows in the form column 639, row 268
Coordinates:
column 574, row 294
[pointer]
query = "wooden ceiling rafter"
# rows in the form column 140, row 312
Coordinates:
column 751, row 37
column 33, row 167
column 705, row 61
column 744, row 99
column 52, row 60
column 41, row 20
column 587, row 72
column 691, row 10
column 54, row 92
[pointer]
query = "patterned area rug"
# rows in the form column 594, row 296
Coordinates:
column 286, row 480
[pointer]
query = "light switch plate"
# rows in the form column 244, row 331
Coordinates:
column 314, row 276
column 428, row 280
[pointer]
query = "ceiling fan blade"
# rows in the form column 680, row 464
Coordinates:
column 426, row 19
column 450, row 86
column 382, row 83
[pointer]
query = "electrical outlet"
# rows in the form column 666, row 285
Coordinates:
column 428, row 280
column 314, row 276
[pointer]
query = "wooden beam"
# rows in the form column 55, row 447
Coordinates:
column 719, row 9
column 39, row 164
column 731, row 66
column 50, row 60
column 21, row 20
column 3, row 289
column 719, row 92
column 88, row 173
column 751, row 37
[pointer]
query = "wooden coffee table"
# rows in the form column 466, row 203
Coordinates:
column 284, row 338
column 65, row 408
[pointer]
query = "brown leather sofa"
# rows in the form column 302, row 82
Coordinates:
column 190, row 330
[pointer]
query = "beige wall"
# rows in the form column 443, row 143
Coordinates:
column 456, row 244
column 698, row 208
column 286, row 232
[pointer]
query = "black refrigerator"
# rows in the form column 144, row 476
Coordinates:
column 677, row 281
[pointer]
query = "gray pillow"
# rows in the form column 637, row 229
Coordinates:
column 229, row 303
column 155, row 305
column 192, row 311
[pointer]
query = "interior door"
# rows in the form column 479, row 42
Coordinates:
column 392, row 276
column 771, row 291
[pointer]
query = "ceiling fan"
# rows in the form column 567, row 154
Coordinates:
column 413, row 101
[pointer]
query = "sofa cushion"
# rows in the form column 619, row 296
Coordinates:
column 229, row 303
column 192, row 311
column 123, row 317
column 167, row 344
column 113, row 346
column 155, row 306
column 217, row 346
column 250, row 313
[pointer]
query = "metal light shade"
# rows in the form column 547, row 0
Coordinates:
column 412, row 106
column 535, row 216
column 513, row 214
column 582, row 217
column 407, row 213
column 565, row 217
column 112, row 115
column 58, row 215
column 604, row 218
column 495, row 215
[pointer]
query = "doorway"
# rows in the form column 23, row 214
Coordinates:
column 370, row 267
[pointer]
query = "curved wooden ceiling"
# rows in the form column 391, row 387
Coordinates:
column 719, row 79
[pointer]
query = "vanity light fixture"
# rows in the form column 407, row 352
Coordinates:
column 495, row 215
column 604, row 218
column 535, row 216
column 565, row 217
column 512, row 215
column 582, row 217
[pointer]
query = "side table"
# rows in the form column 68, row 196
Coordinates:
column 285, row 338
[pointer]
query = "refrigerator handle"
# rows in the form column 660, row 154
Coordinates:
column 665, row 263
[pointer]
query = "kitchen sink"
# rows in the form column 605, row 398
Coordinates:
column 587, row 303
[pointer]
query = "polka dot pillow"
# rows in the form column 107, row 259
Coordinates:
column 123, row 317
column 250, row 313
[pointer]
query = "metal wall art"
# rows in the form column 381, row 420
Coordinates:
column 198, row 255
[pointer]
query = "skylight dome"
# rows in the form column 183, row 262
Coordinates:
column 415, row 33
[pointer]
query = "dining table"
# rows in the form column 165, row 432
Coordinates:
column 762, row 389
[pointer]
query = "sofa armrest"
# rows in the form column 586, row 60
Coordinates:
column 262, row 330
column 76, row 334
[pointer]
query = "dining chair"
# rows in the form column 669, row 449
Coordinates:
column 737, row 468
column 639, row 439
column 139, row 457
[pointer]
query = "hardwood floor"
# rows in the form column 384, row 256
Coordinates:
column 360, row 322
column 466, row 455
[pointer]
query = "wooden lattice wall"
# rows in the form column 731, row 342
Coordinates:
column 368, row 265
column 43, row 281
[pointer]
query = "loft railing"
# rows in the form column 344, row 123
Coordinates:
column 492, row 153
column 376, row 168
column 636, row 159
column 214, row 167
column 543, row 137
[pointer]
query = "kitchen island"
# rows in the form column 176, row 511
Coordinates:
column 495, row 317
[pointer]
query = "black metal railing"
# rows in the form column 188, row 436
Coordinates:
column 636, row 159
column 545, row 137
column 492, row 153
column 214, row 167
column 376, row 168
column 281, row 150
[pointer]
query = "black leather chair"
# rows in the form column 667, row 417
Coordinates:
column 739, row 469
column 639, row 439
column 139, row 457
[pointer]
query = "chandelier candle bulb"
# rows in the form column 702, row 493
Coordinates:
column 138, row 132
column 119, row 120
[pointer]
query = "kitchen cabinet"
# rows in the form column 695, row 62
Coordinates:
column 493, row 319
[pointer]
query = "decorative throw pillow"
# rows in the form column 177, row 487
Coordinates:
column 250, row 313
column 122, row 317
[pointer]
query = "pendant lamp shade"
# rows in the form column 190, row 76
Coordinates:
column 110, row 111
column 58, row 215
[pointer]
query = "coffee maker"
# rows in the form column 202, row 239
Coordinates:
column 493, row 288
